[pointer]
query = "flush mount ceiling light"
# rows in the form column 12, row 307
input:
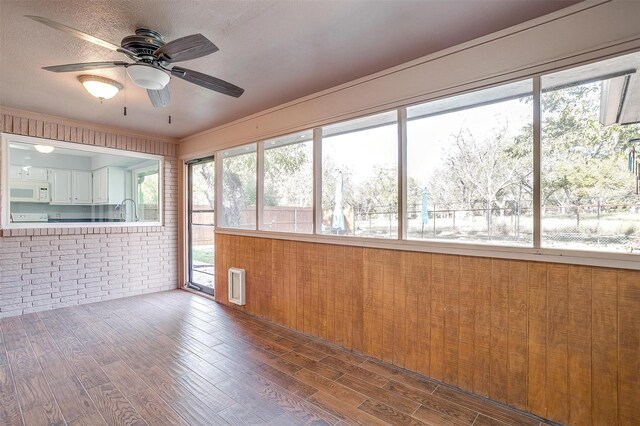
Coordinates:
column 44, row 149
column 148, row 76
column 100, row 87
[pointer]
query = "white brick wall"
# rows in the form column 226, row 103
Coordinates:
column 43, row 269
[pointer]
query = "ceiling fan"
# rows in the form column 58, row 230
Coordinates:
column 153, row 61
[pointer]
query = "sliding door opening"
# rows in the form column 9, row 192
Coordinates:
column 201, row 225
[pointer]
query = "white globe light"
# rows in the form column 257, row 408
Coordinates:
column 45, row 149
column 100, row 87
column 147, row 76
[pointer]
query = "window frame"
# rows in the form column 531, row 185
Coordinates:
column 261, row 149
column 535, row 252
column 534, row 86
column 219, row 177
column 400, row 147
column 5, row 223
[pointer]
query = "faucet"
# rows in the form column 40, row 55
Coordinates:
column 121, row 208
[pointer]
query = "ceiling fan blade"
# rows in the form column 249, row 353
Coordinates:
column 160, row 98
column 86, row 66
column 186, row 48
column 207, row 81
column 79, row 34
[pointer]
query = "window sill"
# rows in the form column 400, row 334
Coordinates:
column 571, row 257
column 35, row 229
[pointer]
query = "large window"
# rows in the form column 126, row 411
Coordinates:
column 360, row 177
column 589, row 174
column 239, row 187
column 541, row 164
column 54, row 184
column 288, row 184
column 470, row 167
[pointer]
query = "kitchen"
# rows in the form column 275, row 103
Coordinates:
column 62, row 183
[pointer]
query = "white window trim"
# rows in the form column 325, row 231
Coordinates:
column 5, row 140
column 534, row 253
column 571, row 257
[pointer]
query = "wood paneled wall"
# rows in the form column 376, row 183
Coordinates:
column 560, row 341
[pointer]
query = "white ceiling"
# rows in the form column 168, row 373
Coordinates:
column 277, row 51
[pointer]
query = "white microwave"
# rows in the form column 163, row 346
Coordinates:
column 29, row 192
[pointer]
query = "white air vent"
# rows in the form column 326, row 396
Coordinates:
column 237, row 292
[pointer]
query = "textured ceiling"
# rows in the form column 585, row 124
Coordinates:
column 276, row 50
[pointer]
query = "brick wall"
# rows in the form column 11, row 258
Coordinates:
column 43, row 269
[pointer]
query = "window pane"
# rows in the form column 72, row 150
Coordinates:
column 239, row 187
column 146, row 182
column 589, row 173
column 360, row 177
column 64, row 183
column 203, row 189
column 470, row 166
column 288, row 184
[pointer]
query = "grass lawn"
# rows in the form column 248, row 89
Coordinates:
column 202, row 254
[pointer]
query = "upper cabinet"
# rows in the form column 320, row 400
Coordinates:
column 108, row 185
column 61, row 192
column 102, row 186
column 70, row 186
column 15, row 172
column 29, row 173
column 81, row 187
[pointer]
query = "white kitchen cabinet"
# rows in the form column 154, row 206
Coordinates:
column 81, row 187
column 39, row 174
column 15, row 172
column 96, row 185
column 61, row 186
column 108, row 185
column 70, row 186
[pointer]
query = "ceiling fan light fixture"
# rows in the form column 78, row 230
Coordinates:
column 148, row 76
column 100, row 87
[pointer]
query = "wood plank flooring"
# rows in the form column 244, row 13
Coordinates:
column 175, row 358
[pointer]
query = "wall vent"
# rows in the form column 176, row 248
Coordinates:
column 237, row 293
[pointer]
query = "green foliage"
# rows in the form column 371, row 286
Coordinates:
column 288, row 175
column 202, row 181
column 581, row 159
column 202, row 254
column 238, row 186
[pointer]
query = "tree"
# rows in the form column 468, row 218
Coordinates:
column 581, row 159
column 294, row 161
column 238, row 186
column 239, row 180
column 378, row 195
column 482, row 172
column 203, row 178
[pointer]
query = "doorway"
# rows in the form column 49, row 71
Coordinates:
column 201, row 225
